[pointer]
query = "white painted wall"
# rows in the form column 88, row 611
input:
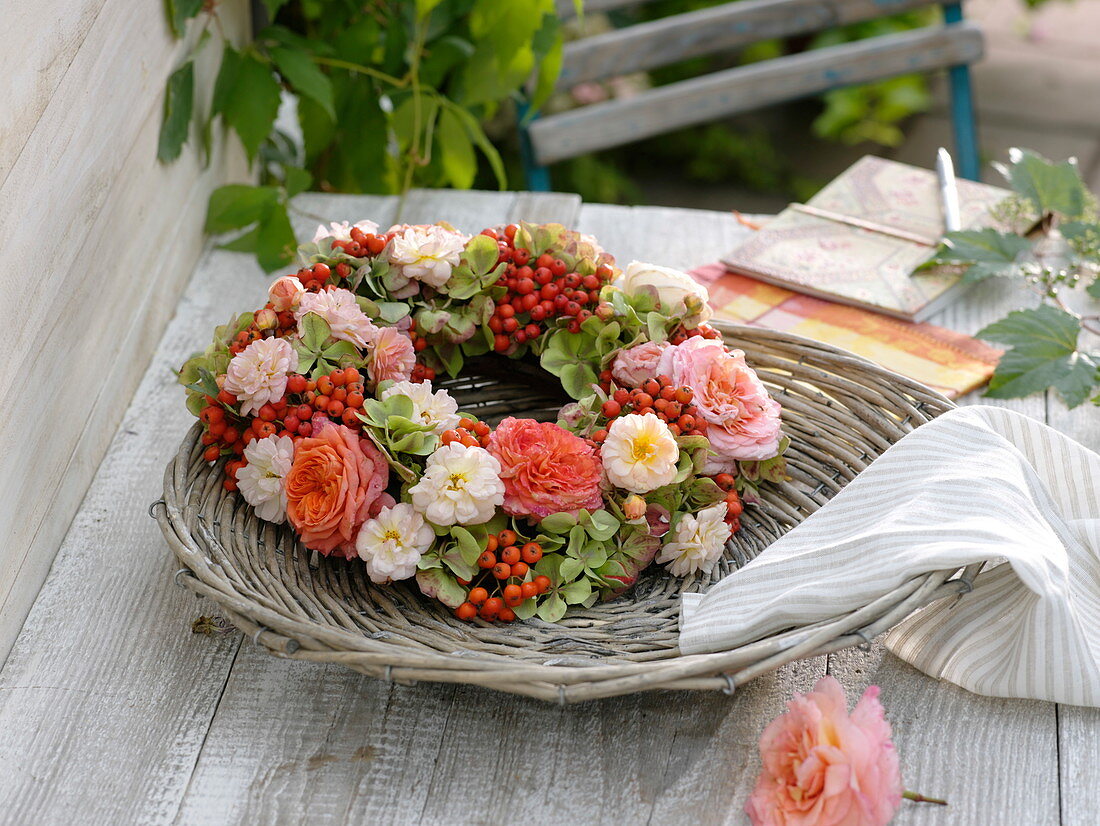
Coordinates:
column 97, row 239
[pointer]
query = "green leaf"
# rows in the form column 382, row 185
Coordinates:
column 989, row 252
column 179, row 12
column 179, row 100
column 440, row 585
column 296, row 180
column 548, row 49
column 245, row 242
column 603, row 525
column 1044, row 354
column 248, row 98
column 238, row 205
column 273, row 7
column 1093, row 289
column 456, row 151
column 481, row 140
column 392, row 311
column 467, row 545
column 481, row 254
column 424, row 7
column 576, row 592
column 315, row 331
column 552, row 609
column 570, row 568
column 305, row 77
column 1051, row 187
column 275, row 244
column 557, row 523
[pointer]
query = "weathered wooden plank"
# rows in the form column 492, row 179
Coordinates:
column 726, row 27
column 1078, row 727
column 88, row 208
column 568, row 8
column 735, row 90
column 32, row 72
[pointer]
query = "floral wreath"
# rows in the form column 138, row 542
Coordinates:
column 323, row 405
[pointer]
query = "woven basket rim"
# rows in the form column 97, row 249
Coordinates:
column 390, row 653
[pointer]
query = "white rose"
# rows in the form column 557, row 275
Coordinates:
column 672, row 286
column 392, row 543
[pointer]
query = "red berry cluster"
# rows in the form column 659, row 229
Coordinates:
column 539, row 291
column 658, row 396
column 362, row 244
column 502, row 584
column 337, row 396
column 468, row 432
column 734, row 507
column 680, row 335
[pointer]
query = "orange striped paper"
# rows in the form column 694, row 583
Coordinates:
column 949, row 362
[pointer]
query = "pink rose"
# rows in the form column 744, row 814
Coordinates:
column 285, row 293
column 742, row 419
column 635, row 365
column 545, row 469
column 336, row 482
column 824, row 767
column 391, row 356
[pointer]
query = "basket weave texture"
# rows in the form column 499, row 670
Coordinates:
column 840, row 411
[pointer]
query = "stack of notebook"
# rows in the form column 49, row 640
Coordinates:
column 840, row 269
column 859, row 240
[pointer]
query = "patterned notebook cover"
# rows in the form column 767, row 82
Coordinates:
column 949, row 362
column 866, row 268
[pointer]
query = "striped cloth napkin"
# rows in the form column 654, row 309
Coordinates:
column 977, row 484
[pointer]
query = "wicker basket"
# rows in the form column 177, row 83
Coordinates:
column 840, row 411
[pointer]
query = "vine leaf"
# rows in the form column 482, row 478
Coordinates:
column 179, row 12
column 1044, row 354
column 246, row 94
column 179, row 100
column 988, row 252
column 1051, row 187
column 305, row 77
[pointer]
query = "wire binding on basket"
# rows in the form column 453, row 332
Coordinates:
column 840, row 411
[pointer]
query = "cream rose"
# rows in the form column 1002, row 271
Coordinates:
column 674, row 288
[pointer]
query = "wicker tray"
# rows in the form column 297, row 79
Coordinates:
column 840, row 411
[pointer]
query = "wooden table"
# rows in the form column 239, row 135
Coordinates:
column 113, row 712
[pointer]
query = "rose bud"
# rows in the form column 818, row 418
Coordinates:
column 267, row 319
column 634, row 507
column 604, row 311
column 285, row 293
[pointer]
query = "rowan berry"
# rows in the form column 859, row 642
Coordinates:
column 507, row 537
column 506, row 615
column 466, row 611
column 336, row 407
column 212, row 453
column 502, row 570
column 477, row 596
column 531, row 552
column 449, row 436
column 325, row 385
column 513, row 595
column 510, row 555
column 491, row 544
column 520, row 569
column 543, row 583
column 487, row 560
column 529, row 589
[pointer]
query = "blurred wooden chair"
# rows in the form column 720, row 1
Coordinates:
column 954, row 46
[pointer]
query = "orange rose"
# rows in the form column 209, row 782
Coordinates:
column 337, row 481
